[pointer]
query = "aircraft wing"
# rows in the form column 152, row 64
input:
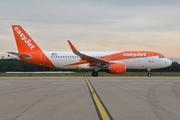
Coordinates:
column 89, row 59
column 20, row 55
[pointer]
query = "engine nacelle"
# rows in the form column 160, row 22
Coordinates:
column 119, row 68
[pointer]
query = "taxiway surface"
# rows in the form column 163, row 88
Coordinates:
column 71, row 98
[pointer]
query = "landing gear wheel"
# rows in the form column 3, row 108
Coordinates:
column 149, row 75
column 94, row 74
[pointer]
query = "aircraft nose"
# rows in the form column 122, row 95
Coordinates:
column 168, row 62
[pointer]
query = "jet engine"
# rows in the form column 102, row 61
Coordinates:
column 119, row 68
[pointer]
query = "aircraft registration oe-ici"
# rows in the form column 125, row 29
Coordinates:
column 113, row 62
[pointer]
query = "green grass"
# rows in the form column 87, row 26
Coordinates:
column 89, row 74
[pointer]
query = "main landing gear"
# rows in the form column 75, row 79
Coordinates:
column 94, row 74
column 149, row 73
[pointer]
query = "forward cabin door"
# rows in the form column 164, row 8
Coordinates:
column 150, row 57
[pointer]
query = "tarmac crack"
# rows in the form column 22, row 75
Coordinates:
column 160, row 110
column 175, row 89
column 37, row 102
column 26, row 89
column 157, row 107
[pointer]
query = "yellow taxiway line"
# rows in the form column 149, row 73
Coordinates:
column 98, row 103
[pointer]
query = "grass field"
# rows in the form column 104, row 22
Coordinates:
column 89, row 74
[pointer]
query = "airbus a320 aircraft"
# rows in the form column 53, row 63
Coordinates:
column 114, row 62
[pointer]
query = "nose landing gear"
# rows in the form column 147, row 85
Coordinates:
column 149, row 73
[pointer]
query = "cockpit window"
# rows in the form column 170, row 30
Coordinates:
column 161, row 56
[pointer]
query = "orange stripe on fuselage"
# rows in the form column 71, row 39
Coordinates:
column 119, row 56
column 130, row 55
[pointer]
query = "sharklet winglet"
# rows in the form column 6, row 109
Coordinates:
column 72, row 47
column 74, row 50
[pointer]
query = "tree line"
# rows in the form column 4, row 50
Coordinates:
column 20, row 66
column 16, row 65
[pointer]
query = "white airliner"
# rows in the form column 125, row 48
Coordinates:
column 114, row 62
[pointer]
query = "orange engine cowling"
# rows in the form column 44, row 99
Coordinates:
column 119, row 68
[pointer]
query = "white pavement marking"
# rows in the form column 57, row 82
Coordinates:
column 4, row 83
column 68, row 83
column 149, row 83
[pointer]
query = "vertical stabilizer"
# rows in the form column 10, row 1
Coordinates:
column 23, row 41
column 28, row 50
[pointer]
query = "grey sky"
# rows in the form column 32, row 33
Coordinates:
column 94, row 25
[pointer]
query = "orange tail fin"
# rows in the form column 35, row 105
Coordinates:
column 23, row 41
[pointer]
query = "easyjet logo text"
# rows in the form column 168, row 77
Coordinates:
column 135, row 54
column 24, row 38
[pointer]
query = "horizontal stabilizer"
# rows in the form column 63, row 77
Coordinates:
column 27, row 56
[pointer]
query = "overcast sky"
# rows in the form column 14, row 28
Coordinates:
column 152, row 25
